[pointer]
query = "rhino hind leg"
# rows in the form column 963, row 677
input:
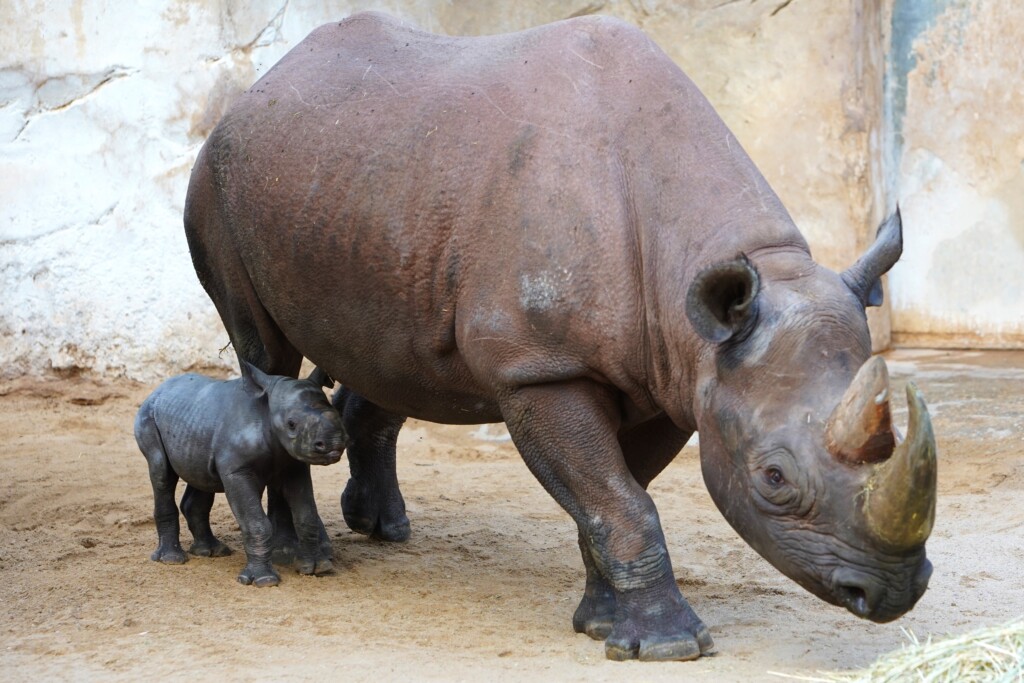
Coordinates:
column 254, row 334
column 647, row 448
column 372, row 503
column 164, row 479
column 195, row 506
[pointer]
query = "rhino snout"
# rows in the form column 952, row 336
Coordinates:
column 327, row 448
column 869, row 598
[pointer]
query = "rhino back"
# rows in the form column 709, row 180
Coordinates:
column 431, row 217
column 201, row 420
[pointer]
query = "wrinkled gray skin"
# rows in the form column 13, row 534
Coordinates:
column 554, row 229
column 239, row 437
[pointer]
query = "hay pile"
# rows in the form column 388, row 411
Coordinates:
column 989, row 655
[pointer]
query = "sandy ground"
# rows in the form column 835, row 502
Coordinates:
column 485, row 588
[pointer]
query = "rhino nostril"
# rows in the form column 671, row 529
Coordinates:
column 320, row 446
column 855, row 599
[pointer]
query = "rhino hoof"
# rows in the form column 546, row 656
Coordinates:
column 215, row 549
column 169, row 555
column 315, row 567
column 260, row 579
column 653, row 650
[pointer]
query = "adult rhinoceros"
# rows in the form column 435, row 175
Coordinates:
column 554, row 229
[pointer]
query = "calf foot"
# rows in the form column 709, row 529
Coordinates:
column 648, row 629
column 378, row 516
column 595, row 615
column 211, row 548
column 259, row 575
column 169, row 553
column 318, row 567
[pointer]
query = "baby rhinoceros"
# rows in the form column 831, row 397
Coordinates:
column 239, row 437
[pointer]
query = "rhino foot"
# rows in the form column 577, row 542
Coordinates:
column 259, row 576
column 317, row 567
column 381, row 517
column 212, row 548
column 649, row 634
column 169, row 553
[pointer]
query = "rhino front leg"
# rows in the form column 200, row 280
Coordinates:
column 567, row 434
column 196, row 506
column 647, row 448
column 245, row 496
column 297, row 489
column 372, row 503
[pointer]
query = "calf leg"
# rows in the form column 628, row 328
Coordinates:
column 245, row 496
column 372, row 503
column 567, row 434
column 164, row 480
column 195, row 506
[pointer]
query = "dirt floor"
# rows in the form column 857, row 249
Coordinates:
column 485, row 588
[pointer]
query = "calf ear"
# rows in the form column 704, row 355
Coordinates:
column 254, row 381
column 864, row 278
column 320, row 377
column 722, row 300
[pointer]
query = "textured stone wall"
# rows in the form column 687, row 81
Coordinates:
column 103, row 106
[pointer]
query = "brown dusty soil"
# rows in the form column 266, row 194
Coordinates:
column 485, row 588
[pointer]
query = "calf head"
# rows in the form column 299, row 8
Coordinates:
column 301, row 418
column 796, row 441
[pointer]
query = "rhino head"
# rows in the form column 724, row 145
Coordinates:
column 299, row 415
column 796, row 440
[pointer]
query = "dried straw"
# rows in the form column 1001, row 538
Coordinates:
column 988, row 655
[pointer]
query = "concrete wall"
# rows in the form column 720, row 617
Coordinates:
column 103, row 106
column 958, row 112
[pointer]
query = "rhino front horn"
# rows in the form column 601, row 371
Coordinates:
column 860, row 428
column 899, row 499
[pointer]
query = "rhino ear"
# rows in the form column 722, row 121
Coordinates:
column 254, row 381
column 722, row 300
column 864, row 277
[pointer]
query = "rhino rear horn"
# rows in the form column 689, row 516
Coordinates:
column 722, row 300
column 864, row 277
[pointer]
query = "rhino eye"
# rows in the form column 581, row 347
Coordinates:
column 774, row 476
column 291, row 424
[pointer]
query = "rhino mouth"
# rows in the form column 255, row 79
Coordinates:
column 328, row 458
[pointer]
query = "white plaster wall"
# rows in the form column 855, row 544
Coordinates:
column 961, row 184
column 103, row 107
